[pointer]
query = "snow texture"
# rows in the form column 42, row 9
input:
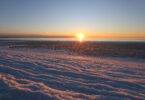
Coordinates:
column 58, row 75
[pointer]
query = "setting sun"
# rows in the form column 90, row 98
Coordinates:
column 80, row 37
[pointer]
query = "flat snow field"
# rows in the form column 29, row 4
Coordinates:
column 29, row 74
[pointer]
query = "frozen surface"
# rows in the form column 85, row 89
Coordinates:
column 59, row 75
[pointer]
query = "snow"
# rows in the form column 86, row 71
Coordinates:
column 29, row 74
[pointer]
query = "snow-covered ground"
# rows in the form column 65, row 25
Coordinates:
column 58, row 75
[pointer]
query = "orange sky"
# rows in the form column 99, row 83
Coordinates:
column 72, row 35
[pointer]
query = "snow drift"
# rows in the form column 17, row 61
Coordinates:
column 52, row 75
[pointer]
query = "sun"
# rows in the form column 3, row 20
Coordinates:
column 80, row 37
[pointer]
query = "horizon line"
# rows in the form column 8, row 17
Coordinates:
column 107, row 36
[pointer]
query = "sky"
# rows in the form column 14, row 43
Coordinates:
column 95, row 18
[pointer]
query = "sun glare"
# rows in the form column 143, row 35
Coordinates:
column 80, row 37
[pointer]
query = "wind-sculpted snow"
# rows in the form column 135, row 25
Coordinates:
column 34, row 75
